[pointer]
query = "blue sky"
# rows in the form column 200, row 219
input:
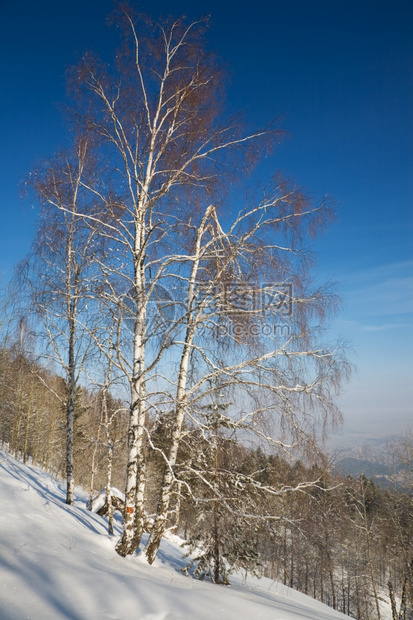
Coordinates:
column 339, row 73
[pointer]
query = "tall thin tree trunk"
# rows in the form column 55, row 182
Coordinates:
column 333, row 589
column 133, row 525
column 370, row 557
column 392, row 601
column 109, row 458
column 70, row 479
column 28, row 417
column 134, row 517
column 93, row 468
column 109, row 489
column 217, row 563
column 158, row 527
column 70, row 407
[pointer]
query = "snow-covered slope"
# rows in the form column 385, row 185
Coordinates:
column 57, row 561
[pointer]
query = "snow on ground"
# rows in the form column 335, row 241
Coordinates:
column 58, row 562
column 100, row 500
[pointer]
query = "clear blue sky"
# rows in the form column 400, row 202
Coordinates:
column 340, row 73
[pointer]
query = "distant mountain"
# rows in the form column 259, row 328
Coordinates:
column 385, row 476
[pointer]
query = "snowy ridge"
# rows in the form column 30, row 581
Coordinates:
column 58, row 562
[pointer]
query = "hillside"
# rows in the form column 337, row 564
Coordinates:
column 57, row 562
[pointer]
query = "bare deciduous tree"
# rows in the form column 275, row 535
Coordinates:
column 154, row 121
column 233, row 300
column 58, row 278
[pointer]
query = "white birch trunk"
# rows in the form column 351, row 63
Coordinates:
column 159, row 525
column 70, row 478
column 109, row 460
column 135, row 481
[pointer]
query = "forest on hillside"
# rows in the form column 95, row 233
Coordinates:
column 342, row 540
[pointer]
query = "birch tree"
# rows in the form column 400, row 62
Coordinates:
column 155, row 121
column 109, row 433
column 163, row 155
column 57, row 277
column 285, row 380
